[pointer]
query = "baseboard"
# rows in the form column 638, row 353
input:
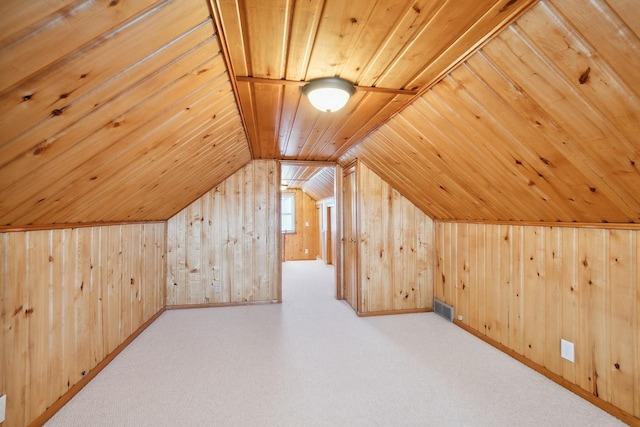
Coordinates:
column 600, row 403
column 220, row 304
column 389, row 312
column 75, row 389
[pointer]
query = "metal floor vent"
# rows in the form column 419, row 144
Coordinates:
column 443, row 310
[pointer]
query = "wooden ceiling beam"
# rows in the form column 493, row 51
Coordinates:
column 250, row 79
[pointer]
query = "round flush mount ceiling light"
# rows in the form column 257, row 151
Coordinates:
column 329, row 93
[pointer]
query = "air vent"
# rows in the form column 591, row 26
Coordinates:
column 443, row 310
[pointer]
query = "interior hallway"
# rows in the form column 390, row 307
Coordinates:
column 311, row 361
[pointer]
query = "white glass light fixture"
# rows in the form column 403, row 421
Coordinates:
column 329, row 93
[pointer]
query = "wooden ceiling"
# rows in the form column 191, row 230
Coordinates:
column 542, row 124
column 392, row 50
column 112, row 110
column 315, row 178
column 129, row 110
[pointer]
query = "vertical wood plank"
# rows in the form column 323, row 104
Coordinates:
column 70, row 273
column 482, row 279
column 97, row 307
column 462, row 268
column 621, row 339
column 492, row 286
column 505, row 280
column 38, row 277
column 516, row 310
column 553, row 298
column 570, row 295
column 82, row 302
column 16, row 332
column 534, row 310
column 471, row 318
column 258, row 213
column 636, row 324
column 440, row 279
column 4, row 317
column 114, row 280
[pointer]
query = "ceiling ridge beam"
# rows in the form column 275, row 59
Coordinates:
column 250, row 79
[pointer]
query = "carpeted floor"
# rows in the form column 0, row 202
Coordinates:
column 311, row 361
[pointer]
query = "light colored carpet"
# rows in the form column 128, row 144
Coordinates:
column 311, row 361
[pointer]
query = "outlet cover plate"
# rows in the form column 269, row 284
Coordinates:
column 567, row 350
column 3, row 407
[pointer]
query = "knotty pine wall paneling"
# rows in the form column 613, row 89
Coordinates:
column 69, row 298
column 528, row 287
column 224, row 248
column 395, row 244
column 307, row 234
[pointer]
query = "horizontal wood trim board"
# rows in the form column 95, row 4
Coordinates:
column 390, row 312
column 283, row 82
column 602, row 404
column 218, row 305
column 39, row 227
column 317, row 163
column 599, row 225
column 51, row 411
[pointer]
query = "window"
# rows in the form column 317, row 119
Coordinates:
column 288, row 212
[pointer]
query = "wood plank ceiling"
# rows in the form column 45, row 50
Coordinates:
column 128, row 111
column 542, row 124
column 112, row 110
column 392, row 50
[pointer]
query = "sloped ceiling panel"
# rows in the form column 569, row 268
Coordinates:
column 390, row 49
column 112, row 111
column 542, row 124
column 321, row 186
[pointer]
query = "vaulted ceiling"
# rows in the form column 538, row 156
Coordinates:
column 130, row 110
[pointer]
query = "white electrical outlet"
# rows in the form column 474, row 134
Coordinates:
column 217, row 287
column 3, row 407
column 306, row 223
column 306, row 251
column 567, row 350
column 460, row 317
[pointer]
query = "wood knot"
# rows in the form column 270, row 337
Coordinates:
column 584, row 77
column 545, row 161
column 617, row 365
column 28, row 311
column 27, row 97
column 506, row 6
column 56, row 112
column 41, row 148
column 354, row 20
column 132, row 281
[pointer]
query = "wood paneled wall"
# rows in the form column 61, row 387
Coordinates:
column 224, row 248
column 307, row 234
column 395, row 248
column 70, row 297
column 527, row 287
